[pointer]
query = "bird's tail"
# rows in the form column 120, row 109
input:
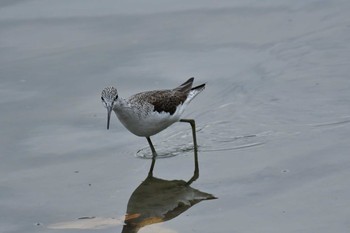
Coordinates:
column 186, row 86
column 198, row 88
column 195, row 91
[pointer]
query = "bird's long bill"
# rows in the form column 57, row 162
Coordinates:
column 109, row 111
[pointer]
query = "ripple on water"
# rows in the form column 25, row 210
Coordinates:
column 217, row 136
column 164, row 152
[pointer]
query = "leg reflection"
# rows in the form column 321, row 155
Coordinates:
column 154, row 155
column 150, row 172
column 196, row 168
column 195, row 173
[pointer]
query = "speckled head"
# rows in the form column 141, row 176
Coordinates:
column 108, row 96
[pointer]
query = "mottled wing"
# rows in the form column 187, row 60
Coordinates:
column 163, row 100
column 167, row 101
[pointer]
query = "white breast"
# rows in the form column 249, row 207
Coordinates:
column 145, row 122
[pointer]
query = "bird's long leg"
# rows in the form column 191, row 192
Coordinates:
column 195, row 147
column 154, row 155
column 193, row 125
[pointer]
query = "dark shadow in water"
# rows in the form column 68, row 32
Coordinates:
column 156, row 200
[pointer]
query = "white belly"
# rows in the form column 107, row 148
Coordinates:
column 146, row 125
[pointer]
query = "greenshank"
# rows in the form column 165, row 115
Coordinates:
column 147, row 113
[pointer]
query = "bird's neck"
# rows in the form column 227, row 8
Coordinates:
column 120, row 103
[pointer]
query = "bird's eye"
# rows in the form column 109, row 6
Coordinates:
column 102, row 98
column 115, row 98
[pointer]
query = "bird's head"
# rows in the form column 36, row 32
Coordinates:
column 109, row 96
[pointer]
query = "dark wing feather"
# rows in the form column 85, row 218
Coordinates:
column 166, row 101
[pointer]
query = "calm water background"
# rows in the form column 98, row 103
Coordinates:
column 273, row 122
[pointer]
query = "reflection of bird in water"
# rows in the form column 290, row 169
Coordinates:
column 147, row 113
column 157, row 200
column 154, row 200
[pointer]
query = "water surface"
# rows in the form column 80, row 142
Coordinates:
column 273, row 122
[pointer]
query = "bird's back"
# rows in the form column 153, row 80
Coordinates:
column 168, row 100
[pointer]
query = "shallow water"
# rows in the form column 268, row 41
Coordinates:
column 272, row 124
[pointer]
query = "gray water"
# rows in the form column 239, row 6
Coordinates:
column 272, row 124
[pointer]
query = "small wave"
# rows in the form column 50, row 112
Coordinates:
column 215, row 136
column 233, row 148
column 146, row 153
